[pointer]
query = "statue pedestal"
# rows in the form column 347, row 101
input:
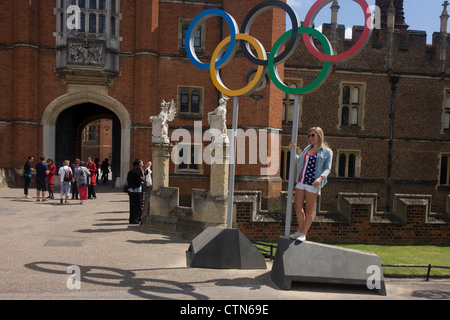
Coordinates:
column 161, row 158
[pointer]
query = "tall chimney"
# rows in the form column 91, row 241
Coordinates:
column 399, row 13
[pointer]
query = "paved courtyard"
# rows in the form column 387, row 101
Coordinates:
column 40, row 241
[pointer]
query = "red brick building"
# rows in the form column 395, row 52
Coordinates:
column 386, row 113
column 123, row 60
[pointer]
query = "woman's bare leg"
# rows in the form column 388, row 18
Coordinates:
column 309, row 214
column 299, row 200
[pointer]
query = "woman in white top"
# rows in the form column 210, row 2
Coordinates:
column 65, row 180
column 313, row 168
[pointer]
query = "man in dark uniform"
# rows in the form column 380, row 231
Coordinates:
column 135, row 178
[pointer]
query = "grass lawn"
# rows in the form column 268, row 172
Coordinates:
column 409, row 255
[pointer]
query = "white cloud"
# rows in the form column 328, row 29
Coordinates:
column 348, row 33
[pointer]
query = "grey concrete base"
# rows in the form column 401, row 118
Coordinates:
column 220, row 248
column 314, row 262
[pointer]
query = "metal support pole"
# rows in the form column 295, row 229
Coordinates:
column 394, row 81
column 232, row 163
column 287, row 228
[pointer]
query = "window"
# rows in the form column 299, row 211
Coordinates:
column 444, row 175
column 190, row 101
column 447, row 111
column 351, row 105
column 285, row 163
column 288, row 102
column 348, row 165
column 92, row 133
column 188, row 158
column 98, row 19
column 199, row 43
column 88, row 40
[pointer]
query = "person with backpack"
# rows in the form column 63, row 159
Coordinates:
column 82, row 179
column 65, row 180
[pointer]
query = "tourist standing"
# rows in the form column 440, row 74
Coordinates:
column 74, row 188
column 313, row 168
column 65, row 181
column 27, row 169
column 51, row 177
column 135, row 180
column 105, row 170
column 93, row 182
column 82, row 177
column 41, row 179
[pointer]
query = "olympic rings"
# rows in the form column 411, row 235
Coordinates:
column 326, row 70
column 215, row 76
column 289, row 40
column 367, row 32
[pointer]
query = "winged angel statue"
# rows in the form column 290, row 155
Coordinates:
column 160, row 128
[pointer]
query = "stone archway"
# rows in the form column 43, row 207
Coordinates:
column 81, row 96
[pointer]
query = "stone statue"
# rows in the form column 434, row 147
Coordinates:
column 218, row 118
column 160, row 128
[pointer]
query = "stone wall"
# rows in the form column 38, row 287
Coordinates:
column 412, row 222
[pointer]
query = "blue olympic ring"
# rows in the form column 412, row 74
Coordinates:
column 202, row 17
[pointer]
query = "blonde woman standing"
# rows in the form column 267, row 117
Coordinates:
column 313, row 168
column 65, row 180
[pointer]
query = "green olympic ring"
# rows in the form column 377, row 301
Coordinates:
column 326, row 70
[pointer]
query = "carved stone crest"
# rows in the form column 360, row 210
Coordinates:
column 86, row 53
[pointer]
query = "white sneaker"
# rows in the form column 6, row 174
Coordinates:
column 301, row 237
column 295, row 235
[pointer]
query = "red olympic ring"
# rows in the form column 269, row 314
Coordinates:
column 309, row 21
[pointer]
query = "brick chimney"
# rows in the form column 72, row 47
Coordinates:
column 399, row 13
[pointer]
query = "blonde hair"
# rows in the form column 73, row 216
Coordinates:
column 321, row 136
column 66, row 162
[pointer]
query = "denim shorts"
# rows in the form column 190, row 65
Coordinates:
column 308, row 188
column 65, row 188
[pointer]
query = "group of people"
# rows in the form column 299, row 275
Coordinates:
column 78, row 179
column 313, row 168
column 138, row 181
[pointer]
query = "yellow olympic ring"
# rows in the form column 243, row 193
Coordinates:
column 215, row 75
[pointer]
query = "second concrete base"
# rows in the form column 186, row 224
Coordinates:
column 315, row 262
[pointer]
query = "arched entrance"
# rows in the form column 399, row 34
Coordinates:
column 69, row 127
column 64, row 118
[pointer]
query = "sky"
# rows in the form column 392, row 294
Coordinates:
column 419, row 14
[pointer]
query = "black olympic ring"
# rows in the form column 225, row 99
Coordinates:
column 253, row 14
